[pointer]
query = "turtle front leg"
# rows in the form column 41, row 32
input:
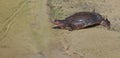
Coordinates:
column 56, row 27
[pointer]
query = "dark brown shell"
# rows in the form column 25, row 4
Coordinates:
column 84, row 19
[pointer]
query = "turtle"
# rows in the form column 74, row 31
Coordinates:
column 81, row 20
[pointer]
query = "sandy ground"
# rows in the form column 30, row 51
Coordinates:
column 27, row 33
column 17, row 40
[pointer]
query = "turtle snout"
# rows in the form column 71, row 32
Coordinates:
column 52, row 21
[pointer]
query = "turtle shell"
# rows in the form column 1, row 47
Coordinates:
column 83, row 19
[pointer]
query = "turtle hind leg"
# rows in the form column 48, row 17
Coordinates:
column 105, row 23
column 69, row 28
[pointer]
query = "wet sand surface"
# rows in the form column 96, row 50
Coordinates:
column 26, row 33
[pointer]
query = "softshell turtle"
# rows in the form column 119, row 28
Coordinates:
column 81, row 20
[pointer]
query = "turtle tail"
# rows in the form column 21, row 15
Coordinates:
column 106, row 23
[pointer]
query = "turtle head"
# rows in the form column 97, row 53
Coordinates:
column 58, row 23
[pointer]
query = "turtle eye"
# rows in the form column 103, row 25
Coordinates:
column 57, row 21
